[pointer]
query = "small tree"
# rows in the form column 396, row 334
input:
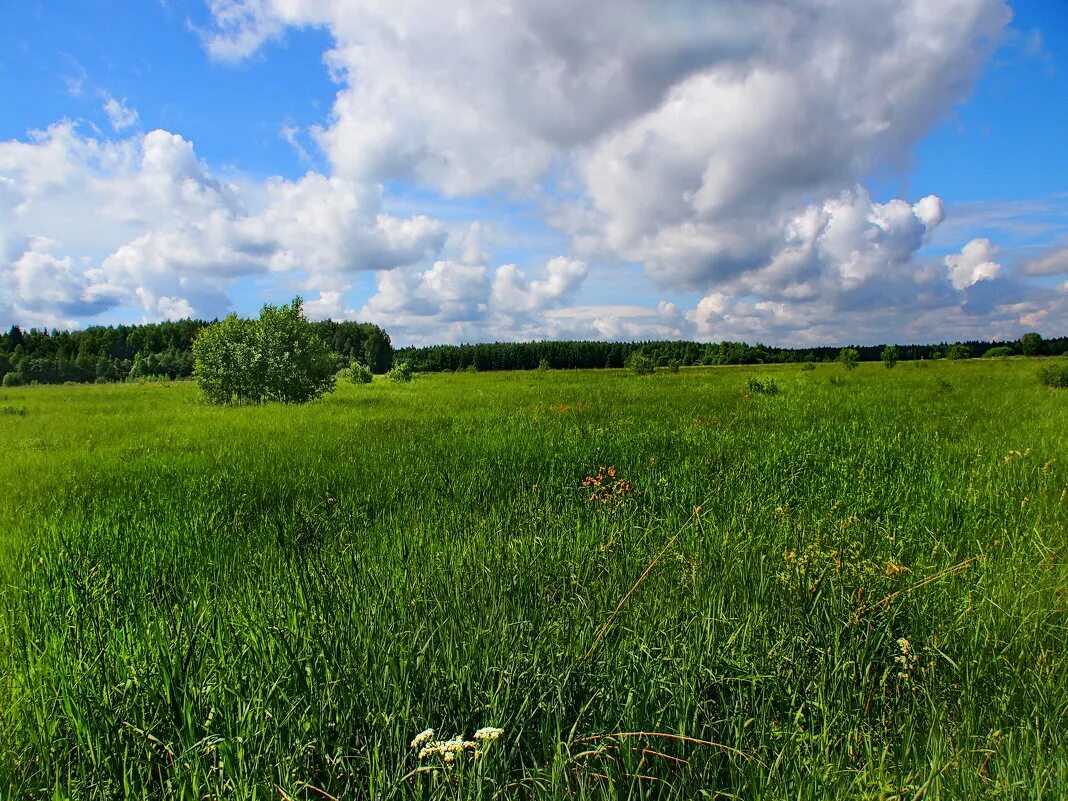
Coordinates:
column 849, row 357
column 640, row 364
column 358, row 373
column 401, row 373
column 959, row 351
column 544, row 366
column 278, row 357
column 998, row 352
column 890, row 356
column 1032, row 344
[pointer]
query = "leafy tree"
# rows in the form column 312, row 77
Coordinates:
column 279, row 357
column 1032, row 344
column 849, row 357
column 400, row 373
column 544, row 366
column 959, row 351
column 890, row 356
column 358, row 373
column 640, row 364
column 999, row 352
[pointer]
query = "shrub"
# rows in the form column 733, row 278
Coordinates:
column 808, row 366
column 358, row 373
column 849, row 357
column 1055, row 375
column 959, row 351
column 544, row 366
column 763, row 386
column 640, row 364
column 673, row 365
column 401, row 373
column 13, row 380
column 1000, row 352
column 279, row 357
column 890, row 356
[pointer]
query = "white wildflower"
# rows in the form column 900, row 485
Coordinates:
column 488, row 733
column 422, row 737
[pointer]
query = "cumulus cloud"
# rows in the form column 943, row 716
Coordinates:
column 720, row 146
column 973, row 264
column 144, row 221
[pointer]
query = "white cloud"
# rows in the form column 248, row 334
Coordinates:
column 120, row 115
column 143, row 220
column 1053, row 262
column 973, row 264
column 720, row 146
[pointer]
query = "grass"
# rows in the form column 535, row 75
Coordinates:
column 853, row 589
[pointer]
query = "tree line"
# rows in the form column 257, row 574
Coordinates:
column 153, row 351
column 165, row 351
column 593, row 355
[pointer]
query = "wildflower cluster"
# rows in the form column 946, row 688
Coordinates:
column 906, row 660
column 1017, row 456
column 453, row 750
column 606, row 486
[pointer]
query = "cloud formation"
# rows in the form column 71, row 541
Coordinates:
column 143, row 221
column 721, row 147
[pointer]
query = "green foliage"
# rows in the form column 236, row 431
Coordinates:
column 808, row 366
column 13, row 380
column 763, row 386
column 358, row 373
column 1032, row 344
column 13, row 411
column 999, row 352
column 544, row 366
column 848, row 358
column 959, row 351
column 890, row 356
column 401, row 373
column 1054, row 374
column 278, row 357
column 274, row 604
column 673, row 365
column 640, row 364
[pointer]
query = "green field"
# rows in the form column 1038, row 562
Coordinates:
column 272, row 602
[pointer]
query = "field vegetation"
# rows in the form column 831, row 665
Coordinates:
column 543, row 584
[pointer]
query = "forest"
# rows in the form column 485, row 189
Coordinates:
column 165, row 351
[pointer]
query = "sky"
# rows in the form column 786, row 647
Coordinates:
column 795, row 172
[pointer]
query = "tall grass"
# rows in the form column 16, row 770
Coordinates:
column 272, row 602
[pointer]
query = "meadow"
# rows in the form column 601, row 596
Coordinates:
column 669, row 586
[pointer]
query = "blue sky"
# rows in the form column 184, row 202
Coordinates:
column 439, row 174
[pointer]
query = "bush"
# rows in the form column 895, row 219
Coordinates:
column 763, row 386
column 890, row 356
column 1000, row 352
column 849, row 357
column 640, row 364
column 358, row 373
column 278, row 357
column 959, row 351
column 808, row 366
column 673, row 365
column 13, row 380
column 1055, row 375
column 544, row 366
column 401, row 373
